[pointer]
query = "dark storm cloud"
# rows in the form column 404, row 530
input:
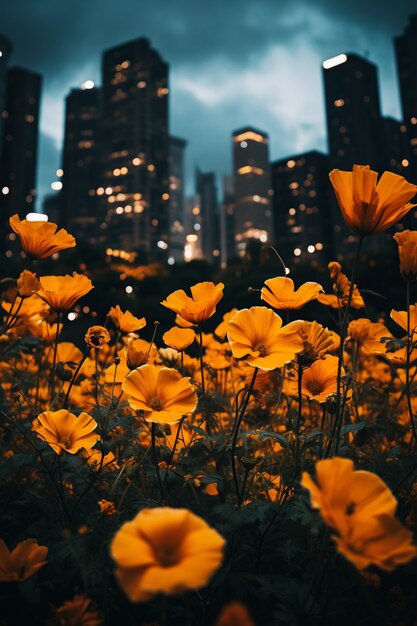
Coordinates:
column 233, row 62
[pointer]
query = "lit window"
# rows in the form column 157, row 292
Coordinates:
column 291, row 211
column 136, row 161
column 339, row 103
column 151, row 167
column 297, row 251
column 119, row 210
column 290, row 163
column 405, row 163
column 165, row 196
column 311, row 249
column 196, row 210
column 56, row 185
column 337, row 60
column 141, row 84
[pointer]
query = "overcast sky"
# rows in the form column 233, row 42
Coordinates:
column 232, row 63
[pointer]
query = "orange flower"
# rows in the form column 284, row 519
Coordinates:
column 223, row 327
column 201, row 305
column 22, row 562
column 40, row 240
column 400, row 318
column 234, row 614
column 162, row 393
column 319, row 381
column 361, row 508
column 62, row 292
column 27, row 284
column 279, row 293
column 368, row 335
column 80, row 611
column 63, row 431
column 179, row 338
column 317, row 341
column 125, row 322
column 407, row 251
column 341, row 288
column 367, row 207
column 257, row 333
column 97, row 337
column 164, row 550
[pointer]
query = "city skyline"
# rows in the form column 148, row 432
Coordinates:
column 252, row 59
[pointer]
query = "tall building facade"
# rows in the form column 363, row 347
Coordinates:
column 20, row 142
column 251, row 170
column 5, row 52
column 176, row 200
column 352, row 111
column 209, row 216
column 227, row 222
column 406, row 58
column 134, row 150
column 303, row 232
column 80, row 164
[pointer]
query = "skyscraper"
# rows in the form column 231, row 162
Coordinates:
column 5, row 52
column 406, row 57
column 352, row 111
column 227, row 222
column 253, row 214
column 209, row 217
column 176, row 200
column 134, row 167
column 303, row 230
column 20, row 142
column 80, row 163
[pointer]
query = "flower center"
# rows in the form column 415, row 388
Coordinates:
column 155, row 403
column 66, row 443
column 167, row 555
column 261, row 348
column 350, row 509
column 314, row 388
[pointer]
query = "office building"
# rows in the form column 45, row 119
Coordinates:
column 406, row 59
column 227, row 222
column 80, row 163
column 209, row 216
column 20, row 142
column 352, row 111
column 134, row 150
column 251, row 170
column 176, row 200
column 5, row 52
column 301, row 204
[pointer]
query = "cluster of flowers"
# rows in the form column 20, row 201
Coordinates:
column 62, row 401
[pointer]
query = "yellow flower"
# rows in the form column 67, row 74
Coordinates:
column 23, row 561
column 257, row 333
column 367, row 207
column 202, row 304
column 164, row 550
column 40, row 240
column 361, row 508
column 63, row 431
column 125, row 322
column 400, row 318
column 317, row 341
column 97, row 337
column 320, row 380
column 280, row 293
column 341, row 288
column 62, row 292
column 162, row 393
column 368, row 335
column 179, row 338
column 407, row 251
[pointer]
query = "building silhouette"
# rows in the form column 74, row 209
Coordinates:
column 79, row 202
column 20, row 142
column 176, row 200
column 227, row 222
column 302, row 209
column 406, row 59
column 134, row 150
column 209, row 216
column 252, row 187
column 352, row 111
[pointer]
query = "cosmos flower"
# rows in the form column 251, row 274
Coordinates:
column 368, row 334
column 125, row 322
column 319, row 380
column 407, row 251
column 179, row 338
column 360, row 507
column 39, row 240
column 369, row 207
column 162, row 393
column 63, row 431
column 257, row 334
column 62, row 292
column 202, row 304
column 23, row 561
column 279, row 292
column 97, row 337
column 164, row 550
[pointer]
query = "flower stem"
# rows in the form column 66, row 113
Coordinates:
column 407, row 366
column 155, row 460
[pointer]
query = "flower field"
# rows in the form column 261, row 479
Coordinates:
column 262, row 474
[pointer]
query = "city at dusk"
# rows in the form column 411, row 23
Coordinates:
column 208, row 406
